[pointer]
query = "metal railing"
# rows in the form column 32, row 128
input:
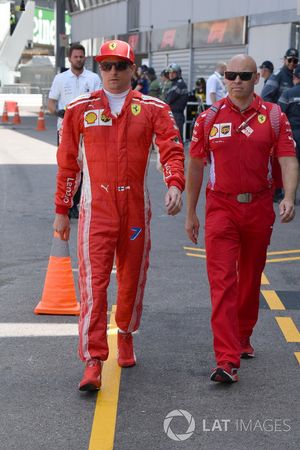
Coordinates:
column 19, row 89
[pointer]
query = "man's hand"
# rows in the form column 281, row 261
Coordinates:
column 192, row 226
column 286, row 210
column 173, row 201
column 61, row 225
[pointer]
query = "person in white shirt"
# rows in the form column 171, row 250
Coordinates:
column 66, row 87
column 215, row 89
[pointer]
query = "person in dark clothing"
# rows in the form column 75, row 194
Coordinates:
column 154, row 84
column 278, row 82
column 142, row 81
column 177, row 96
column 165, row 84
column 290, row 105
column 282, row 79
column 266, row 70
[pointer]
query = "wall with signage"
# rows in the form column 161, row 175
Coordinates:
column 220, row 32
column 44, row 31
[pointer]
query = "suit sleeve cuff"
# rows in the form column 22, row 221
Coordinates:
column 61, row 209
column 176, row 184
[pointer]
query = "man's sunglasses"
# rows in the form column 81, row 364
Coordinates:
column 244, row 76
column 106, row 66
column 292, row 60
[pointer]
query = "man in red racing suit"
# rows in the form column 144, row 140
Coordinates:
column 109, row 133
column 239, row 208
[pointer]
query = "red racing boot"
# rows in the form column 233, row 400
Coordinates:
column 224, row 373
column 91, row 380
column 126, row 356
column 247, row 351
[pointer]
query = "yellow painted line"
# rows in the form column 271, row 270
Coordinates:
column 288, row 328
column 196, row 256
column 273, row 300
column 104, row 424
column 295, row 258
column 297, row 354
column 195, row 249
column 264, row 279
column 283, row 252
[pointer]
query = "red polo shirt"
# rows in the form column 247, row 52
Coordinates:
column 240, row 158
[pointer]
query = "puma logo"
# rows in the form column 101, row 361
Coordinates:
column 105, row 187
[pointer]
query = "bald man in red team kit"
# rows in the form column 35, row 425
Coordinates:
column 239, row 136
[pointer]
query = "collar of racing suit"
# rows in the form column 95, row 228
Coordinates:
column 256, row 105
column 107, row 111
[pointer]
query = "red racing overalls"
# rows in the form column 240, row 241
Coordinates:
column 115, row 209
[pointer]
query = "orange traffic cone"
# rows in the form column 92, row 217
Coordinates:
column 59, row 295
column 4, row 114
column 16, row 118
column 41, row 126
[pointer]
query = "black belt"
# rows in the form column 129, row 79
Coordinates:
column 245, row 197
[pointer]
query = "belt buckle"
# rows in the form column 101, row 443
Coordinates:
column 244, row 198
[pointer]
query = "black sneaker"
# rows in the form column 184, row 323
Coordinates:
column 225, row 373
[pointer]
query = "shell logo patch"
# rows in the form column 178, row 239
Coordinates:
column 214, row 131
column 136, row 109
column 113, row 45
column 261, row 118
column 91, row 118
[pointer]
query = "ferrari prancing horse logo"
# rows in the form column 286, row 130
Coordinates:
column 261, row 118
column 135, row 109
column 113, row 45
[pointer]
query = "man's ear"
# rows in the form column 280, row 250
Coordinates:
column 257, row 78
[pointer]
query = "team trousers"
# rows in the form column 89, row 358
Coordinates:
column 237, row 236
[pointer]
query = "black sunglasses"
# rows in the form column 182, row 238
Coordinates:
column 106, row 66
column 292, row 60
column 244, row 76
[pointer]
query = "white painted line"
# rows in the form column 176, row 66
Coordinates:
column 26, row 149
column 38, row 329
column 43, row 329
